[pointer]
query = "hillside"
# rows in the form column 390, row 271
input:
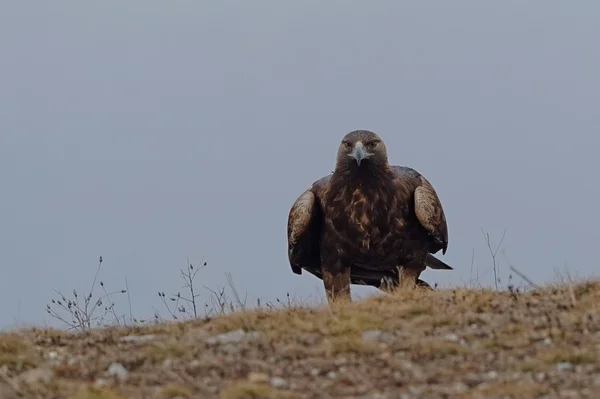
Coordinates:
column 443, row 344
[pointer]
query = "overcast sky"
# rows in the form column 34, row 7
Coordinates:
column 149, row 132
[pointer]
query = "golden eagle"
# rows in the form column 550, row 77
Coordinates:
column 368, row 222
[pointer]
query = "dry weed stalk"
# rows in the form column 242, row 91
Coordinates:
column 188, row 275
column 83, row 315
column 493, row 253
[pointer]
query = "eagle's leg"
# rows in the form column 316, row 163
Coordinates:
column 336, row 279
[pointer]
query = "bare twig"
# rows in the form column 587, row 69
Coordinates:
column 242, row 305
column 517, row 272
column 471, row 272
column 129, row 301
column 493, row 252
column 188, row 275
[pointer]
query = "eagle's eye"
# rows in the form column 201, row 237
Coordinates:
column 372, row 144
column 347, row 145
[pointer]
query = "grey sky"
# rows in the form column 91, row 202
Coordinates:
column 151, row 131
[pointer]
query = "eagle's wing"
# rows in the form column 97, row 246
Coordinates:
column 428, row 207
column 304, row 229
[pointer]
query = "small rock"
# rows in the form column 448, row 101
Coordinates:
column 309, row 339
column 100, row 383
column 451, row 337
column 167, row 363
column 376, row 336
column 547, row 341
column 73, row 361
column 231, row 349
column 198, row 335
column 564, row 366
column 372, row 335
column 118, row 370
column 339, row 361
column 472, row 380
column 315, row 372
column 34, row 376
column 492, row 375
column 54, row 358
column 569, row 394
column 278, row 382
column 257, row 378
column 332, row 375
column 232, row 337
column 408, row 368
column 138, row 338
column 460, row 387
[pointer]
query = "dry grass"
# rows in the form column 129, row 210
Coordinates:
column 460, row 343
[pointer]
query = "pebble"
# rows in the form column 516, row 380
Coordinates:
column 492, row 375
column 278, row 382
column 75, row 360
column 34, row 376
column 233, row 337
column 569, row 394
column 167, row 363
column 138, row 338
column 376, row 336
column 231, row 349
column 451, row 337
column 459, row 387
column 100, row 383
column 564, row 366
column 257, row 378
column 340, row 361
column 117, row 370
column 54, row 358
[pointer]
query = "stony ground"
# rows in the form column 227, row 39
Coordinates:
column 442, row 344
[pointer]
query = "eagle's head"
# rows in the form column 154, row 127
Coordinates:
column 361, row 148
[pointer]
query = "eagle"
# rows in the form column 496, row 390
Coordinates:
column 368, row 222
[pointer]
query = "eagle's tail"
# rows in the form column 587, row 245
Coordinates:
column 435, row 263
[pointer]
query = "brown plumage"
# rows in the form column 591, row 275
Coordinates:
column 367, row 223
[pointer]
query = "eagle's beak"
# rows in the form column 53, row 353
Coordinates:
column 359, row 152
